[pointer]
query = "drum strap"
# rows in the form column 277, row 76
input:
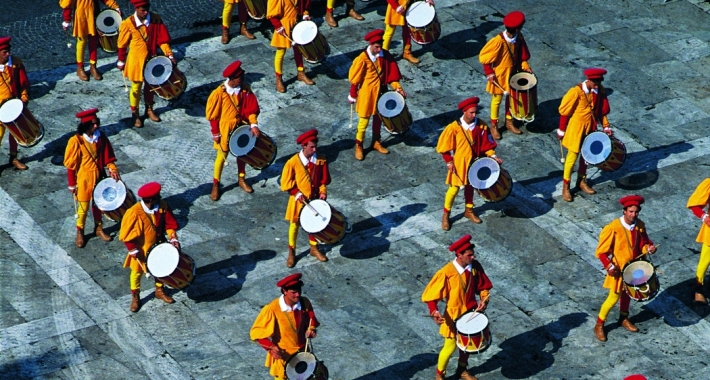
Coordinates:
column 309, row 175
column 4, row 81
column 466, row 134
column 235, row 104
column 376, row 66
column 86, row 150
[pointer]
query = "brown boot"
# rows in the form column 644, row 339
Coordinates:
column 440, row 376
column 305, row 79
column 99, row 232
column 95, row 72
column 359, row 154
column 280, row 84
column 137, row 121
column 244, row 185
column 700, row 298
column 135, row 300
column 80, row 238
column 510, row 125
column 470, row 215
column 599, row 331
column 160, row 294
column 16, row 163
column 467, row 376
column 81, row 73
column 582, row 185
column 315, row 252
column 291, row 260
column 330, row 20
column 225, row 35
column 566, row 195
column 376, row 145
column 215, row 191
column 494, row 129
column 445, row 224
column 245, row 32
column 152, row 115
column 407, row 54
column 625, row 323
column 350, row 10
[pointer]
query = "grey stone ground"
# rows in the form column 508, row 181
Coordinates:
column 64, row 311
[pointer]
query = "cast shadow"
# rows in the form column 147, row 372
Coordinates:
column 461, row 44
column 682, row 293
column 403, row 370
column 547, row 117
column 182, row 203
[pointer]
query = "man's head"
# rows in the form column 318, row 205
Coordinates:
column 513, row 22
column 595, row 76
column 234, row 73
column 88, row 121
column 150, row 194
column 632, row 207
column 469, row 107
column 308, row 141
column 463, row 248
column 4, row 49
column 142, row 8
column 375, row 39
column 291, row 288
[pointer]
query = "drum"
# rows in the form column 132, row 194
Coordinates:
column 258, row 152
column 605, row 152
column 256, row 8
column 305, row 366
column 113, row 198
column 641, row 280
column 491, row 181
column 323, row 221
column 523, row 96
column 164, row 78
column 422, row 23
column 473, row 333
column 394, row 112
column 172, row 267
column 19, row 121
column 310, row 41
column 107, row 23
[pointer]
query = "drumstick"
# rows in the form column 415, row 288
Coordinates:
column 497, row 85
column 474, row 315
column 125, row 85
column 562, row 153
column 68, row 39
column 76, row 211
column 351, row 116
column 312, row 209
column 145, row 270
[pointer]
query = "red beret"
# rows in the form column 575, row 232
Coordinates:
column 289, row 281
column 595, row 73
column 631, row 200
column 140, row 3
column 468, row 103
column 233, row 70
column 5, row 43
column 514, row 20
column 635, row 377
column 305, row 137
column 149, row 190
column 375, row 36
column 87, row 115
column 462, row 244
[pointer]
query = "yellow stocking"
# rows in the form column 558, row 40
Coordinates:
column 219, row 164
column 495, row 105
column 82, row 209
column 330, row 4
column 449, row 198
column 134, row 96
column 135, row 280
column 445, row 353
column 387, row 38
column 611, row 300
column 279, row 60
column 292, row 234
column 80, row 45
column 569, row 165
column 227, row 14
column 703, row 264
column 361, row 128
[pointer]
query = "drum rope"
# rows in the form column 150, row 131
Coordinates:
column 562, row 153
column 66, row 32
column 351, row 117
column 125, row 85
column 502, row 89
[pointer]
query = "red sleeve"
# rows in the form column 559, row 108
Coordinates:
column 645, row 240
column 122, row 54
column 266, row 343
column 432, row 307
column 162, row 37
column 251, row 105
column 325, row 175
column 275, row 22
column 66, row 15
column 488, row 69
column 71, row 177
column 697, row 211
column 392, row 74
column 305, row 5
column 482, row 280
column 605, row 106
column 170, row 222
column 313, row 320
column 393, row 3
column 563, row 122
column 487, row 142
column 107, row 154
column 293, row 191
column 524, row 51
column 214, row 126
column 22, row 79
column 447, row 157
column 353, row 90
column 605, row 260
column 130, row 245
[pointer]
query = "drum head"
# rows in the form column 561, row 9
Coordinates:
column 390, row 104
column 420, row 14
column 11, row 110
column 158, row 70
column 467, row 325
column 241, row 141
column 638, row 273
column 301, row 366
column 312, row 222
column 162, row 260
column 523, row 81
column 109, row 194
column 596, row 148
column 483, row 173
column 304, row 32
column 108, row 21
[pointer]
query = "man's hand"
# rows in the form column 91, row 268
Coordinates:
column 175, row 244
column 280, row 31
column 608, row 131
column 482, row 306
column 72, row 190
column 306, row 18
column 255, row 130
column 114, row 175
column 216, row 138
column 66, row 25
column 651, row 249
column 323, row 196
column 351, row 100
column 133, row 253
column 401, row 92
column 311, row 333
column 277, row 353
column 450, row 167
column 612, row 270
column 172, row 59
column 400, row 10
column 498, row 160
column 300, row 198
column 491, row 78
column 120, row 65
column 706, row 220
column 430, row 2
column 438, row 319
column 560, row 133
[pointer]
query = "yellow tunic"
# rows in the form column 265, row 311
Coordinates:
column 701, row 197
column 6, row 83
column 84, row 15
column 363, row 72
column 578, row 106
column 80, row 157
column 453, row 139
column 225, row 108
column 135, row 39
column 447, row 284
column 287, row 13
column 231, row 1
column 280, row 327
column 498, row 53
column 294, row 174
column 617, row 240
column 392, row 17
column 139, row 226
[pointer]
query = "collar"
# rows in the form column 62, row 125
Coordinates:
column 139, row 23
column 93, row 138
column 508, row 39
column 306, row 161
column 285, row 308
column 461, row 269
column 8, row 64
column 147, row 210
column 231, row 90
column 468, row 127
column 373, row 58
column 629, row 227
column 585, row 89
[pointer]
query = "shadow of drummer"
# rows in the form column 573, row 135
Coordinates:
column 404, row 370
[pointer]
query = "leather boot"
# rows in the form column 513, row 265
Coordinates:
column 137, row 121
column 135, row 300
column 315, row 252
column 305, row 79
column 440, row 376
column 599, row 331
column 445, row 224
column 280, row 84
column 376, row 145
column 330, row 20
column 510, row 125
column 215, row 191
column 584, row 186
column 244, row 185
column 225, row 35
column 470, row 215
column 80, row 238
column 160, row 294
column 16, row 163
column 352, row 13
column 407, row 54
column 291, row 260
column 81, row 73
column 359, row 154
column 625, row 323
column 494, row 129
column 95, row 72
column 566, row 195
column 99, row 232
column 245, row 32
column 467, row 376
column 700, row 298
column 151, row 114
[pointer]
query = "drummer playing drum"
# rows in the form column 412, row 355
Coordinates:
column 14, row 84
column 88, row 152
column 457, row 283
column 620, row 242
column 461, row 142
column 230, row 105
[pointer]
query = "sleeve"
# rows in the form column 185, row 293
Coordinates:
column 213, row 110
column 288, row 178
column 447, row 156
column 71, row 178
column 482, row 281
column 250, row 107
column 701, row 195
column 72, row 155
column 264, row 326
column 356, row 74
column 564, row 120
column 487, row 142
column 274, row 12
column 353, row 91
column 568, row 103
column 124, row 39
column 66, row 15
column 171, row 225
column 605, row 246
column 275, row 22
column 324, row 176
column 111, row 4
column 489, row 54
column 163, row 39
column 313, row 321
column 432, row 306
column 305, row 6
column 524, row 54
column 645, row 241
column 393, row 74
column 437, row 289
column 108, row 155
column 24, row 83
column 447, row 141
column 393, row 3
column 697, row 211
column 130, row 230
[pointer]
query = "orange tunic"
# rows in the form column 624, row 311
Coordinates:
column 499, row 55
column 363, row 75
column 144, row 230
column 142, row 44
column 286, row 11
column 310, row 182
column 82, row 157
column 623, row 246
column 14, row 82
column 85, row 12
column 579, row 108
column 392, row 17
column 454, row 139
column 230, row 111
column 701, row 198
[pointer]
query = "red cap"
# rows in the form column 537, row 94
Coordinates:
column 305, row 137
column 468, row 103
column 5, row 43
column 149, row 190
column 595, row 73
column 87, row 115
column 375, row 36
column 291, row 280
column 459, row 246
column 233, row 70
column 637, row 376
column 631, row 200
column 140, row 3
column 514, row 20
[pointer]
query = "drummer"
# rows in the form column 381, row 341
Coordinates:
column 305, row 177
column 88, row 152
column 698, row 203
column 615, row 251
column 349, row 10
column 139, row 37
column 394, row 17
column 85, row 30
column 462, row 142
column 227, row 19
column 283, row 325
column 230, row 105
column 367, row 82
column 504, row 55
column 582, row 108
column 14, row 85
column 457, row 284
column 143, row 225
column 284, row 14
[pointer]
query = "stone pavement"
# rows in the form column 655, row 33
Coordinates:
column 64, row 311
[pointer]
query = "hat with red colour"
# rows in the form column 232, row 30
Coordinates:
column 636, row 376
column 5, row 42
column 595, row 73
column 233, row 70
column 459, row 246
column 290, row 280
column 631, row 200
column 140, row 3
column 375, row 36
column 149, row 190
column 305, row 137
column 514, row 20
column 87, row 115
column 468, row 103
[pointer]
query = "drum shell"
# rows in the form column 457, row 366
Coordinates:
column 184, row 273
column 263, row 153
column 108, row 42
column 173, row 87
column 645, row 291
column 423, row 34
column 523, row 103
column 500, row 190
column 316, row 50
column 617, row 157
column 334, row 230
column 256, row 8
column 396, row 124
column 117, row 214
column 25, row 128
column 474, row 342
